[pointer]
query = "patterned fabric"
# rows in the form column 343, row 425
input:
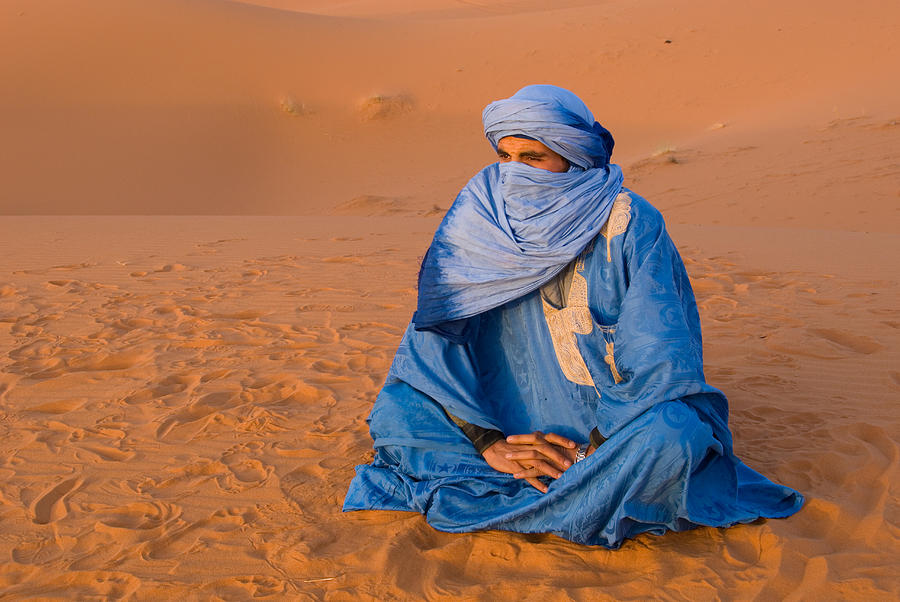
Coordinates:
column 667, row 463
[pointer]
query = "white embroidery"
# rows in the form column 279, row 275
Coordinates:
column 565, row 323
column 575, row 317
column 617, row 223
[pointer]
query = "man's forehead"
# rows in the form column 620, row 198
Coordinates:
column 521, row 142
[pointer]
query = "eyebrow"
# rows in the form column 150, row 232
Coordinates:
column 526, row 154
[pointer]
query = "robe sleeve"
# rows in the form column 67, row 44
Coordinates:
column 595, row 438
column 480, row 437
column 658, row 350
column 445, row 372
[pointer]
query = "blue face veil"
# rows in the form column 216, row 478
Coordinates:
column 514, row 227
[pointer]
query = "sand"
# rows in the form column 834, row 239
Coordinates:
column 212, row 217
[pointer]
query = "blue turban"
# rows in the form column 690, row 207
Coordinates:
column 514, row 227
column 555, row 117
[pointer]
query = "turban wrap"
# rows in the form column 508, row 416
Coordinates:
column 555, row 117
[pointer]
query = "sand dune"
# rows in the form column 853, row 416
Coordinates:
column 183, row 393
column 218, row 107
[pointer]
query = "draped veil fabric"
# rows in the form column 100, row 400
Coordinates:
column 514, row 227
column 667, row 463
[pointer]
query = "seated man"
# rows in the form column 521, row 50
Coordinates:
column 551, row 379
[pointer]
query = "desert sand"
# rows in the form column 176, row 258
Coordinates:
column 211, row 218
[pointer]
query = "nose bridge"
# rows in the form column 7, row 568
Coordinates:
column 516, row 155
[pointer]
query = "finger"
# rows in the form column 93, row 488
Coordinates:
column 545, row 452
column 526, row 454
column 529, row 473
column 558, row 460
column 554, row 455
column 537, row 484
column 538, row 469
column 559, row 440
column 535, row 437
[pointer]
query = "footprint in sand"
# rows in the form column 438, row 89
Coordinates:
column 52, row 504
column 748, row 546
column 765, row 385
column 172, row 384
column 61, row 406
column 192, row 420
column 246, row 471
column 140, row 516
column 847, row 340
column 249, row 587
column 101, row 362
column 197, row 535
column 107, row 452
column 79, row 585
column 40, row 551
column 296, row 485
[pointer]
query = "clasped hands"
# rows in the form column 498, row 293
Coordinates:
column 533, row 455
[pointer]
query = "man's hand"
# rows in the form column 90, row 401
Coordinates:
column 531, row 456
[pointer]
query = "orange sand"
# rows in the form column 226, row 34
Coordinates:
column 183, row 395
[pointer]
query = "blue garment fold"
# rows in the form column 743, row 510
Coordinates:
column 510, row 230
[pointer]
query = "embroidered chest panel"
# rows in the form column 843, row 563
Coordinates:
column 617, row 224
column 565, row 322
column 575, row 317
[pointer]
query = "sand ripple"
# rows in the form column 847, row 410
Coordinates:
column 196, row 427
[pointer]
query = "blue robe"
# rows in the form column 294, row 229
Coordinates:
column 623, row 354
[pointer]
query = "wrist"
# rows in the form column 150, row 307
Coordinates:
column 581, row 452
column 486, row 440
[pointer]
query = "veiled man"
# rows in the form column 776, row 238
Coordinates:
column 551, row 379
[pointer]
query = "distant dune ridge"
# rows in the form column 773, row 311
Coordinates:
column 212, row 215
column 176, row 107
